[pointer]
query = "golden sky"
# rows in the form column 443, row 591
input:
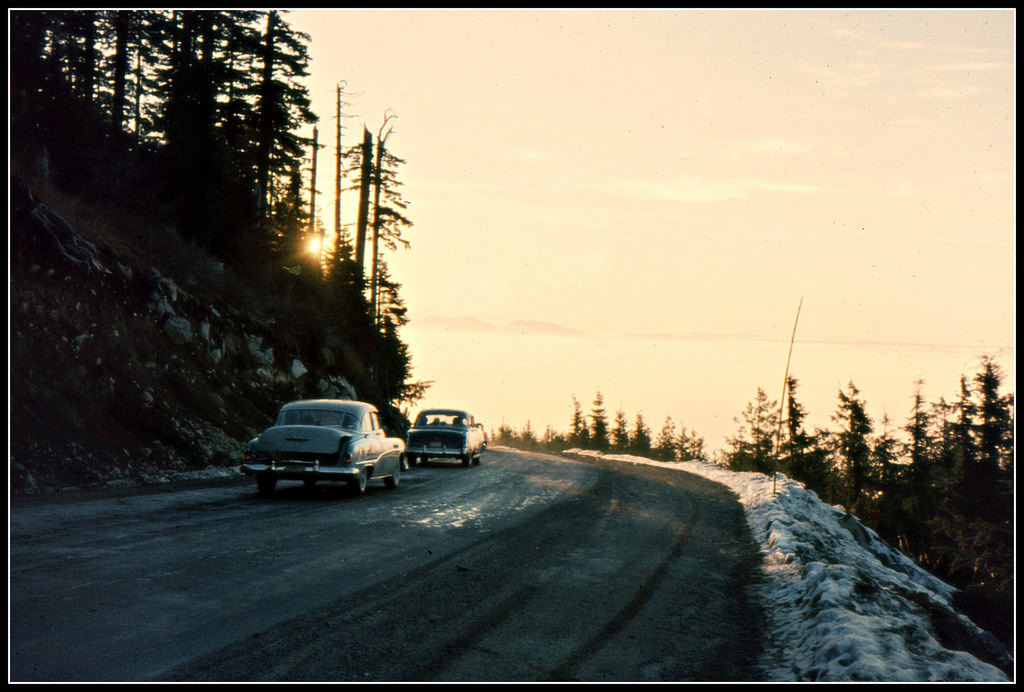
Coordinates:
column 693, row 173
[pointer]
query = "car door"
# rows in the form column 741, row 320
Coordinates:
column 373, row 436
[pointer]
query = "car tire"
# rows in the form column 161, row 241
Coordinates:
column 265, row 483
column 358, row 485
column 391, row 482
column 467, row 460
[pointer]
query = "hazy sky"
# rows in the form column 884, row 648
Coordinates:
column 689, row 172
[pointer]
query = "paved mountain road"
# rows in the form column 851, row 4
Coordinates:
column 527, row 567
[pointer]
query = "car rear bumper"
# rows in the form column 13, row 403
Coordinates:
column 287, row 470
column 428, row 451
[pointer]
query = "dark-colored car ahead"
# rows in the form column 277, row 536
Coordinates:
column 445, row 433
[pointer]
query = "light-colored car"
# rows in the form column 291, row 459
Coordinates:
column 324, row 440
column 445, row 433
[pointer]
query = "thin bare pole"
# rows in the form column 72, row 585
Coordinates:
column 319, row 253
column 337, row 175
column 782, row 401
column 312, row 186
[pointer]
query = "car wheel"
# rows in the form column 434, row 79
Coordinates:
column 265, row 483
column 467, row 460
column 391, row 482
column 358, row 486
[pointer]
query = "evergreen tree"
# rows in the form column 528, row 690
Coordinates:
column 993, row 476
column 966, row 449
column 552, row 440
column 392, row 361
column 283, row 105
column 953, row 525
column 803, row 458
column 599, row 425
column 994, row 427
column 665, row 443
column 506, row 435
column 919, row 499
column 690, row 445
column 527, row 439
column 853, row 447
column 752, row 448
column 388, row 207
column 579, row 436
column 620, row 433
column 640, row 438
column 887, row 508
column 973, row 531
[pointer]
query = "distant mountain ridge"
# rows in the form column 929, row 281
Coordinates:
column 473, row 325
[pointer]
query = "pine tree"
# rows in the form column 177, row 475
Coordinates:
column 579, row 436
column 888, row 508
column 919, row 499
column 393, row 362
column 388, row 207
column 993, row 476
column 853, row 448
column 752, row 448
column 552, row 440
column 640, row 438
column 665, row 444
column 803, row 458
column 527, row 439
column 599, row 425
column 620, row 433
column 690, row 445
column 994, row 427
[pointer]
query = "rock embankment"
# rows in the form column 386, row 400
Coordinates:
column 119, row 374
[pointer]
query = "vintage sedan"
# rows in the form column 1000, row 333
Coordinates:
column 324, row 440
column 445, row 433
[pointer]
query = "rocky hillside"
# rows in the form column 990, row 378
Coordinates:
column 121, row 373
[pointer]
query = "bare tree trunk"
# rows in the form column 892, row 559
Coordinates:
column 312, row 208
column 265, row 144
column 382, row 138
column 337, row 180
column 122, row 30
column 312, row 186
column 364, row 198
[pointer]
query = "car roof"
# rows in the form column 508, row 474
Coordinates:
column 445, row 411
column 358, row 407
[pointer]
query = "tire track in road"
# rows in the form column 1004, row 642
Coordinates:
column 576, row 591
column 599, row 639
column 573, row 586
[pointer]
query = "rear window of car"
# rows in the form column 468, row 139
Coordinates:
column 318, row 417
column 441, row 419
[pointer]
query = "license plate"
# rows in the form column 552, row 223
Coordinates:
column 434, row 445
